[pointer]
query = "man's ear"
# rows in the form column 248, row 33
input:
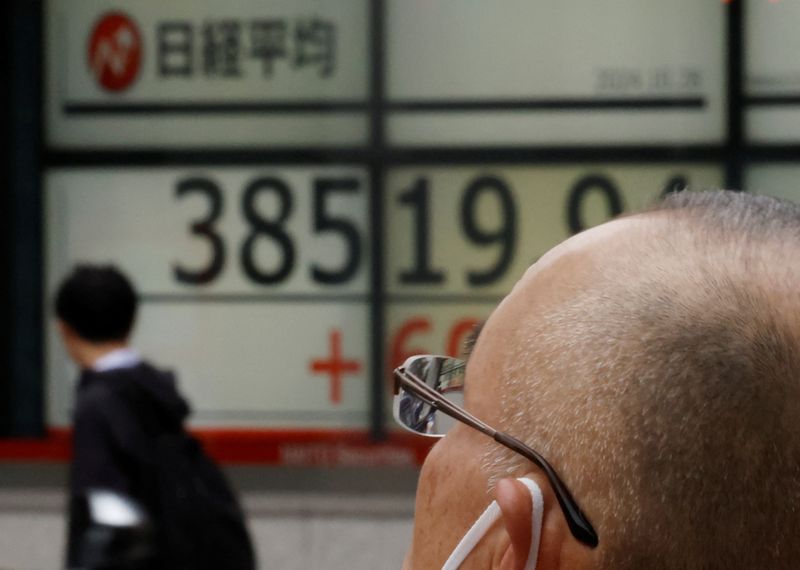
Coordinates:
column 555, row 541
column 514, row 500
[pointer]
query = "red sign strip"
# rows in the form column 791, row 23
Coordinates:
column 296, row 448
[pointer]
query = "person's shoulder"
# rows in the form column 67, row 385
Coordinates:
column 92, row 386
column 145, row 367
column 97, row 393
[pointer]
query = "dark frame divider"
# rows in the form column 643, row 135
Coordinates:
column 22, row 338
column 6, row 63
column 377, row 169
column 734, row 147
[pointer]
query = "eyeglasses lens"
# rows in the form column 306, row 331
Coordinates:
column 446, row 377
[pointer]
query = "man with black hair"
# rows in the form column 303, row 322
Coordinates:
column 125, row 411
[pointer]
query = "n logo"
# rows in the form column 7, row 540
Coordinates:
column 115, row 51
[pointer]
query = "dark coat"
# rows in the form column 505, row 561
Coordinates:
column 113, row 437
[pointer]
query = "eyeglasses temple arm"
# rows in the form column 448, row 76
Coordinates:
column 433, row 398
column 578, row 523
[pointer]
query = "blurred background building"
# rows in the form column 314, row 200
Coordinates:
column 307, row 192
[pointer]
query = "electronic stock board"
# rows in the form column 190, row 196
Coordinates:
column 262, row 278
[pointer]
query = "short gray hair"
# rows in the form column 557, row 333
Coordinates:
column 668, row 395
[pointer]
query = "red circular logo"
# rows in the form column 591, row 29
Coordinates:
column 115, row 51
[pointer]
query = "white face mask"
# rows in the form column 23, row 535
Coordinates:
column 488, row 518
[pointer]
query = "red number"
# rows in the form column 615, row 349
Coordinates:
column 421, row 325
column 412, row 326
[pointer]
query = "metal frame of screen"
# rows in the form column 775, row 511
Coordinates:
column 21, row 386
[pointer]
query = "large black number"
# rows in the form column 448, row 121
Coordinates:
column 263, row 227
column 204, row 228
column 579, row 193
column 325, row 222
column 504, row 234
column 417, row 198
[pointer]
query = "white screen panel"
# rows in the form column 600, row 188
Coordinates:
column 292, row 352
column 555, row 73
column 189, row 74
column 772, row 72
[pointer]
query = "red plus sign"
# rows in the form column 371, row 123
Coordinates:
column 335, row 366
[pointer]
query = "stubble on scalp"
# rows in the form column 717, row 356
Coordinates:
column 666, row 390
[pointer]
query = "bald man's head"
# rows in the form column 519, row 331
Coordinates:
column 662, row 380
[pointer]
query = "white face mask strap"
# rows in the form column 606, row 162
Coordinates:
column 537, row 516
column 489, row 517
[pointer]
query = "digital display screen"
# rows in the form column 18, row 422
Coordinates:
column 255, row 283
column 269, row 174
